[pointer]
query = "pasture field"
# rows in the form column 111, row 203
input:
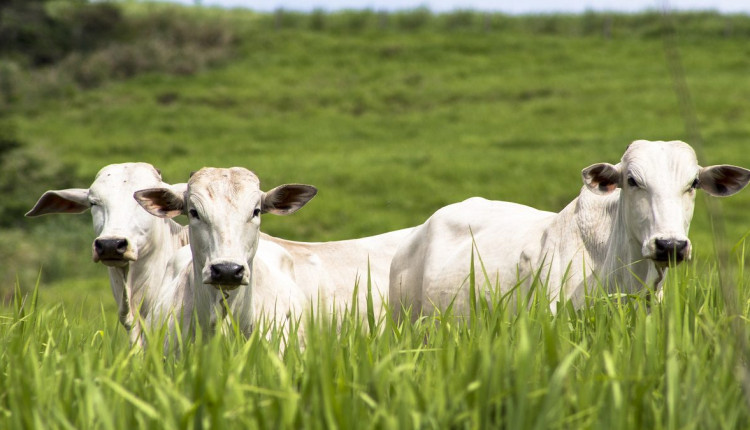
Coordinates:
column 615, row 364
column 392, row 117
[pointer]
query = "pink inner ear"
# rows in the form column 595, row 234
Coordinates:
column 608, row 187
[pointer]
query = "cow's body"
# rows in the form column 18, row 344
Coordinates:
column 328, row 272
column 621, row 231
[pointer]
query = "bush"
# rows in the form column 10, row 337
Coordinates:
column 318, row 20
column 413, row 20
column 107, row 46
column 286, row 20
column 95, row 25
column 461, row 20
column 25, row 170
column 28, row 31
column 357, row 21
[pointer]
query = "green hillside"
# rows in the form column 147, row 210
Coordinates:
column 391, row 115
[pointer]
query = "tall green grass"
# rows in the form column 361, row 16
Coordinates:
column 617, row 363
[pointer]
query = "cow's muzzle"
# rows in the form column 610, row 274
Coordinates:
column 227, row 276
column 115, row 251
column 671, row 250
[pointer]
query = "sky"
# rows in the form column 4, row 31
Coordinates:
column 504, row 6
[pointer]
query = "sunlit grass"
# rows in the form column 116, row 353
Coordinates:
column 617, row 363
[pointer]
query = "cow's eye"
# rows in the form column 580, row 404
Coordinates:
column 193, row 214
column 632, row 182
column 256, row 213
column 695, row 184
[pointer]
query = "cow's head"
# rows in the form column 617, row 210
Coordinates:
column 658, row 181
column 121, row 226
column 224, row 208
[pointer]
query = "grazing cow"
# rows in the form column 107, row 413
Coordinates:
column 329, row 271
column 134, row 246
column 628, row 223
column 224, row 208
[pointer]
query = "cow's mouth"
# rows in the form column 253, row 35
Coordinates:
column 113, row 251
column 225, row 287
column 114, row 262
column 669, row 252
column 667, row 260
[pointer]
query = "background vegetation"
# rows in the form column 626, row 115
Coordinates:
column 391, row 115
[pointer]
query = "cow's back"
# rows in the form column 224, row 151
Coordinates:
column 431, row 268
column 329, row 271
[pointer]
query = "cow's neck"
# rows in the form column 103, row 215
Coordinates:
column 595, row 217
column 624, row 269
column 117, row 278
column 212, row 305
column 141, row 278
column 242, row 299
column 147, row 273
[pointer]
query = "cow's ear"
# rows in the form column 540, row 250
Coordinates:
column 723, row 180
column 162, row 202
column 601, row 178
column 70, row 201
column 287, row 199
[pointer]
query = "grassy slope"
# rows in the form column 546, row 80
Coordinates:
column 393, row 124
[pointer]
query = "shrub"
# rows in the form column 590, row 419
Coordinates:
column 317, row 20
column 413, row 20
column 460, row 20
column 109, row 46
column 25, row 170
column 28, row 31
column 94, row 25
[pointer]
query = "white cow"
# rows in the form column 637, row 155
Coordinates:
column 623, row 229
column 134, row 246
column 329, row 271
column 224, row 208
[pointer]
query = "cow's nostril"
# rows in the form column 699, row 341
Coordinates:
column 662, row 245
column 121, row 245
